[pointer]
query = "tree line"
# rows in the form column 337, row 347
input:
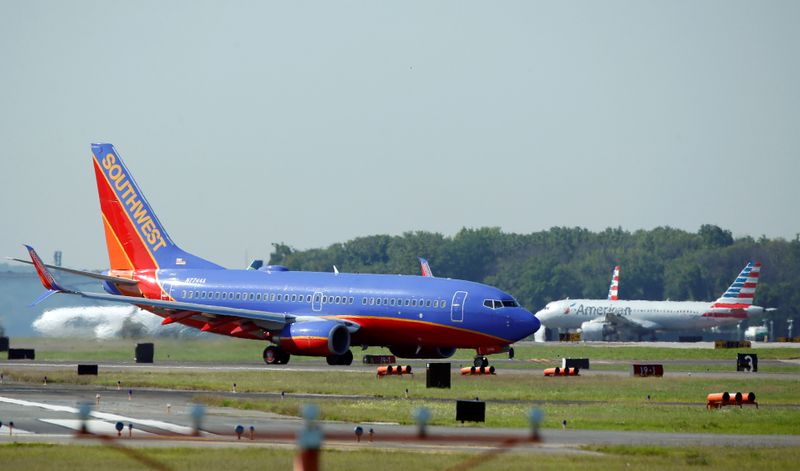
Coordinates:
column 661, row 263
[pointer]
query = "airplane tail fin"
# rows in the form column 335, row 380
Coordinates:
column 613, row 290
column 135, row 238
column 425, row 267
column 743, row 289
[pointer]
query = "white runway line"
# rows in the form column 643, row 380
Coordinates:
column 97, row 427
column 167, row 426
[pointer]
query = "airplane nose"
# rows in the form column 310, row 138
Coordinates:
column 531, row 322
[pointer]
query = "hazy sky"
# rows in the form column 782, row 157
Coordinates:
column 247, row 123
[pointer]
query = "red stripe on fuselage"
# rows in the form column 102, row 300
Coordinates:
column 387, row 331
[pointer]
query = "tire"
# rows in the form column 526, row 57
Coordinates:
column 283, row 357
column 332, row 359
column 272, row 355
column 347, row 358
column 480, row 361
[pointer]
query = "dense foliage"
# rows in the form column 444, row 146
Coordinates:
column 662, row 263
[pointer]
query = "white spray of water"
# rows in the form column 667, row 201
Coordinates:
column 101, row 322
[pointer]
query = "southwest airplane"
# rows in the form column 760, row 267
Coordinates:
column 601, row 318
column 300, row 313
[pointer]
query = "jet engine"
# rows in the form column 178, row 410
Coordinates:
column 595, row 331
column 414, row 352
column 314, row 338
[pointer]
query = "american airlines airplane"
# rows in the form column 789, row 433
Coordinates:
column 297, row 313
column 599, row 319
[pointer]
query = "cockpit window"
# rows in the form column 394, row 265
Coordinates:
column 488, row 303
column 510, row 303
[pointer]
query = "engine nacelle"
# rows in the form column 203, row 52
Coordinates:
column 411, row 352
column 314, row 338
column 594, row 331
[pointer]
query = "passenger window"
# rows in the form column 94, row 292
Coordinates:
column 364, row 301
column 352, row 300
column 391, row 302
column 428, row 304
column 371, row 301
column 294, row 298
column 280, row 297
column 252, row 296
column 379, row 301
column 238, row 296
column 308, row 298
column 408, row 302
column 436, row 303
column 272, row 297
column 444, row 303
column 338, row 299
column 224, row 295
column 258, row 297
column 183, row 293
column 413, row 303
column 216, row 295
column 385, row 301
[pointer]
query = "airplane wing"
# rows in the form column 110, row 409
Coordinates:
column 178, row 311
column 263, row 319
column 88, row 274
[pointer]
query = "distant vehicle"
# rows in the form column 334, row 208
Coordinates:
column 300, row 313
column 756, row 333
column 602, row 319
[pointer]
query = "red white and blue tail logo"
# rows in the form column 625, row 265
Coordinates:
column 613, row 290
column 426, row 269
column 742, row 291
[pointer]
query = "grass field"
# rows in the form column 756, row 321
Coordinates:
column 57, row 457
column 223, row 349
column 600, row 401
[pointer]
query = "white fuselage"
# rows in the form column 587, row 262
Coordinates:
column 650, row 315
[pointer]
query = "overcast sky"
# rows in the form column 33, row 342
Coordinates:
column 309, row 123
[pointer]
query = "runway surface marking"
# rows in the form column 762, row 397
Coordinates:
column 97, row 427
column 170, row 427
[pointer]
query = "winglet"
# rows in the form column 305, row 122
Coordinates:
column 426, row 269
column 45, row 276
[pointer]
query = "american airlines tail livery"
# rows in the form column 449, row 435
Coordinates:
column 599, row 319
column 297, row 313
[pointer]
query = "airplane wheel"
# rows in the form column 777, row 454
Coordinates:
column 272, row 355
column 346, row 359
column 480, row 361
column 332, row 360
column 283, row 357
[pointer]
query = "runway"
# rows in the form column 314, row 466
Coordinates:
column 162, row 418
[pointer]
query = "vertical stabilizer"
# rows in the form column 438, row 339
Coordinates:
column 743, row 289
column 613, row 290
column 135, row 238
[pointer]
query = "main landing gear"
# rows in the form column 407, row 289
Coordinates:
column 480, row 361
column 344, row 359
column 275, row 356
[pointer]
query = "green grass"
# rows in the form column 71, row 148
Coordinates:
column 616, row 416
column 223, row 349
column 366, row 457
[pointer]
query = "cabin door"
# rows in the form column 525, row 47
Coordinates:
column 316, row 303
column 457, row 306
